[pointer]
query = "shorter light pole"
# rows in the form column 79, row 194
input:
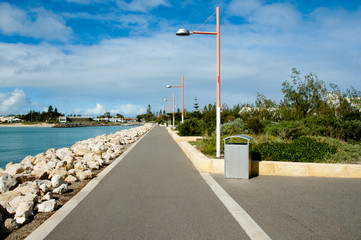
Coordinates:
column 173, row 108
column 169, row 86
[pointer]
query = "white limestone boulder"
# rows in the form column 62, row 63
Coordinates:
column 43, row 185
column 13, row 168
column 61, row 172
column 39, row 158
column 81, row 165
column 72, row 172
column 61, row 164
column 27, row 188
column 51, row 154
column 80, row 149
column 70, row 179
column 10, row 224
column 31, row 198
column 83, row 175
column 7, row 182
column 57, row 180
column 63, row 188
column 47, row 206
column 41, row 173
column 6, row 209
column 64, row 154
column 25, row 210
column 48, row 196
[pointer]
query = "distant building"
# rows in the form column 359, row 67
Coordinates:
column 333, row 99
column 62, row 119
column 11, row 119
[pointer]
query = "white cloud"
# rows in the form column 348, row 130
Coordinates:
column 36, row 23
column 141, row 5
column 129, row 110
column 277, row 15
column 12, row 102
column 98, row 110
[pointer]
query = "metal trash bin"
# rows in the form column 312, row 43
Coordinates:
column 237, row 158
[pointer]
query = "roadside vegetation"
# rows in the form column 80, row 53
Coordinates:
column 311, row 123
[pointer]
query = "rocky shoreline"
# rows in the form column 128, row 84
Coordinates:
column 36, row 185
column 89, row 124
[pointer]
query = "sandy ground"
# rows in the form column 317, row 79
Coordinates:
column 26, row 125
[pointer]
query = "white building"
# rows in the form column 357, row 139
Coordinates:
column 9, row 119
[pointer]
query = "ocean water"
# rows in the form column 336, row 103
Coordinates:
column 18, row 142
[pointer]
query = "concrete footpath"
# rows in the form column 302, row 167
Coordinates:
column 153, row 193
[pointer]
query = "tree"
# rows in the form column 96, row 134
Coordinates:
column 50, row 109
column 345, row 106
column 302, row 97
column 196, row 113
column 149, row 114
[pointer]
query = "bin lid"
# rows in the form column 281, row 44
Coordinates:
column 248, row 138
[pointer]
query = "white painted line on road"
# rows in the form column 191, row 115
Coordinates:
column 252, row 229
column 44, row 229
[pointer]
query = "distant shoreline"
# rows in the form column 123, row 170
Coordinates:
column 26, row 125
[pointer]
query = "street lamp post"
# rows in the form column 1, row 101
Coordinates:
column 185, row 32
column 169, row 86
column 173, row 108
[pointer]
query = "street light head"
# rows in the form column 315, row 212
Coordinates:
column 168, row 86
column 165, row 99
column 183, row 32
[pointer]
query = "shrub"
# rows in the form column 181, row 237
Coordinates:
column 286, row 129
column 352, row 130
column 324, row 125
column 346, row 152
column 234, row 127
column 255, row 125
column 302, row 149
column 293, row 133
column 191, row 127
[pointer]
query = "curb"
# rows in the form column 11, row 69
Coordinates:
column 268, row 168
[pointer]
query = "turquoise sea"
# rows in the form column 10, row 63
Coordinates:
column 18, row 142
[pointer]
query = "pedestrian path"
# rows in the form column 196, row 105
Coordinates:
column 153, row 193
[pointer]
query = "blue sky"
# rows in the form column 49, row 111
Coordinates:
column 92, row 56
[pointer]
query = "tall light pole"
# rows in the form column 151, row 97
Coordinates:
column 185, row 32
column 169, row 86
column 173, row 107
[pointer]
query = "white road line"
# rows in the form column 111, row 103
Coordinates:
column 252, row 229
column 44, row 229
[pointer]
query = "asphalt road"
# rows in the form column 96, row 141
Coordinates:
column 293, row 208
column 153, row 193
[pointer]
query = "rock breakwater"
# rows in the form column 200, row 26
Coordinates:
column 32, row 186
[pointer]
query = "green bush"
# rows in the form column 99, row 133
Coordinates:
column 191, row 127
column 323, row 125
column 352, row 130
column 302, row 149
column 255, row 125
column 346, row 152
column 234, row 127
column 286, row 129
